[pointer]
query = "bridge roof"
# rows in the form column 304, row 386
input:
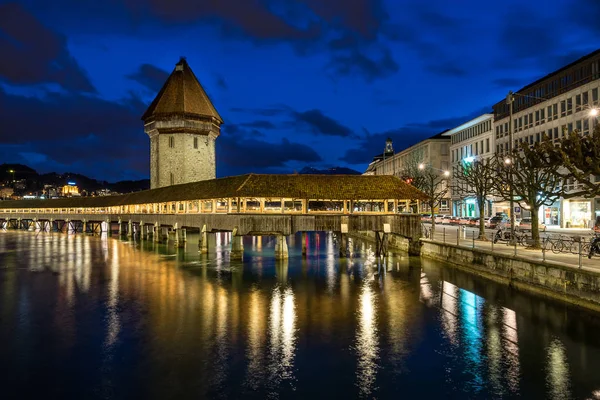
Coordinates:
column 182, row 94
column 315, row 187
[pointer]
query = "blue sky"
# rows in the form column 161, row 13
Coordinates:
column 298, row 82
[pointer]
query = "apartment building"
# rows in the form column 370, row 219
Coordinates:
column 432, row 152
column 554, row 105
column 469, row 142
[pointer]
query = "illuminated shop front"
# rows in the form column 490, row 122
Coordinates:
column 550, row 215
column 577, row 214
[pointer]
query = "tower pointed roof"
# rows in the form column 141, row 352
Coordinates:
column 182, row 94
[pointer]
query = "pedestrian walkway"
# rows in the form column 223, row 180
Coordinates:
column 452, row 235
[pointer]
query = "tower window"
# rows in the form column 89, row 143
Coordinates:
column 171, row 178
column 195, row 142
column 171, row 141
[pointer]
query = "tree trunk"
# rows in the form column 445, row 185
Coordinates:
column 535, row 229
column 432, row 219
column 481, row 205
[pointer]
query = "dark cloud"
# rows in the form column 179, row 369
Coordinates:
column 373, row 144
column 221, row 82
column 96, row 137
column 264, row 112
column 150, row 76
column 34, row 54
column 259, row 124
column 246, row 154
column 357, row 62
column 510, row 83
column 584, row 14
column 321, row 124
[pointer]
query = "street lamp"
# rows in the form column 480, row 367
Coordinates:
column 445, row 172
column 510, row 99
column 12, row 171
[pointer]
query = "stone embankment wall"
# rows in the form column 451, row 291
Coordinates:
column 575, row 286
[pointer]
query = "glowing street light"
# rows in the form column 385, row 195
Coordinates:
column 12, row 171
column 593, row 112
column 507, row 161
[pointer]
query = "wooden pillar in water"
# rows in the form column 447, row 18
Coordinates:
column 84, row 226
column 120, row 226
column 304, row 244
column 237, row 246
column 108, row 230
column 203, row 242
column 156, row 233
column 130, row 229
column 343, row 245
column 281, row 248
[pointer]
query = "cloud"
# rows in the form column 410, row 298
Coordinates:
column 34, row 54
column 372, row 144
column 259, row 124
column 221, row 82
column 149, row 76
column 448, row 70
column 355, row 61
column 321, row 124
column 87, row 134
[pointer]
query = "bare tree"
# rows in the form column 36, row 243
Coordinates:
column 578, row 155
column 428, row 180
column 475, row 178
column 526, row 175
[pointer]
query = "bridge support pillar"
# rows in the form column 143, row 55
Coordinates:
column 18, row 223
column 108, row 231
column 203, row 242
column 165, row 235
column 156, row 233
column 281, row 248
column 141, row 232
column 51, row 225
column 343, row 245
column 84, row 226
column 304, row 240
column 120, row 226
column 130, row 229
column 180, row 237
column 237, row 246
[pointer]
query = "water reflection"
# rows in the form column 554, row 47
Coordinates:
column 366, row 340
column 282, row 331
column 117, row 316
column 558, row 371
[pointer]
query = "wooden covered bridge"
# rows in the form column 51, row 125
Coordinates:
column 250, row 204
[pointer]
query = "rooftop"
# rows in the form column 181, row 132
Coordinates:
column 182, row 94
column 315, row 187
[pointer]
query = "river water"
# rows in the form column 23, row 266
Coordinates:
column 85, row 317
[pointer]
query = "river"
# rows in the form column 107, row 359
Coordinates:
column 88, row 317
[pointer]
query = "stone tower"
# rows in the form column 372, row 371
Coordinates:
column 182, row 125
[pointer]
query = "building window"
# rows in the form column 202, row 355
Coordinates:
column 171, row 179
column 584, row 98
column 195, row 142
column 171, row 141
column 578, row 102
column 595, row 96
column 487, row 145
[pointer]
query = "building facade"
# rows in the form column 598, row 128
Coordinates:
column 554, row 106
column 433, row 152
column 183, row 125
column 469, row 142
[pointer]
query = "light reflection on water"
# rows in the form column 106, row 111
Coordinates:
column 121, row 317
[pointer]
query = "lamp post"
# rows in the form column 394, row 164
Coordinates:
column 510, row 99
column 12, row 171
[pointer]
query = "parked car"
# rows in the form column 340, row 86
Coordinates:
column 447, row 219
column 525, row 225
column 439, row 218
column 499, row 220
column 473, row 221
column 454, row 220
column 464, row 220
column 486, row 222
column 425, row 217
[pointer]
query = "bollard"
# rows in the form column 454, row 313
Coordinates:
column 515, row 245
column 493, row 238
column 444, row 233
column 473, row 239
column 544, row 242
column 458, row 237
column 580, row 258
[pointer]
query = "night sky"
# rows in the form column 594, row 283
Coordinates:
column 299, row 83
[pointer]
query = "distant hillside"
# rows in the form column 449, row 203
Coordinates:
column 330, row 171
column 36, row 182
